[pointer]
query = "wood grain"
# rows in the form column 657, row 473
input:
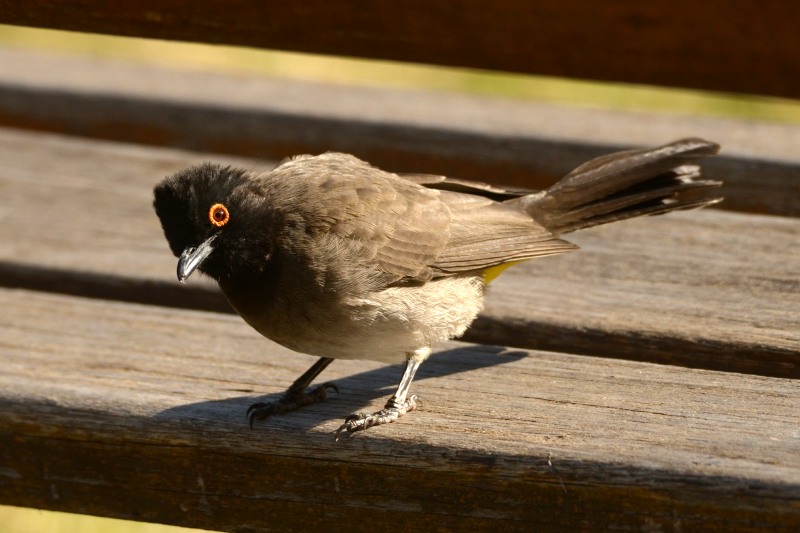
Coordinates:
column 747, row 48
column 705, row 289
column 138, row 412
column 501, row 141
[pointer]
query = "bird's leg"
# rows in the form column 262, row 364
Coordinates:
column 397, row 406
column 297, row 395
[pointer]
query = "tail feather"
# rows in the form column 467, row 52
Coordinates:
column 625, row 185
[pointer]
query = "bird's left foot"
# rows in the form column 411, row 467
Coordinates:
column 393, row 410
column 294, row 398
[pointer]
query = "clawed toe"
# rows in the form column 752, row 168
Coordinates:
column 393, row 410
column 292, row 400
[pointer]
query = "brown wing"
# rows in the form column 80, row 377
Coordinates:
column 443, row 183
column 394, row 225
column 410, row 231
column 485, row 233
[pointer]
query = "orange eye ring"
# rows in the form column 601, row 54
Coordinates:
column 218, row 215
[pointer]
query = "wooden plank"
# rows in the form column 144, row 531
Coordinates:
column 750, row 48
column 148, row 405
column 503, row 141
column 679, row 289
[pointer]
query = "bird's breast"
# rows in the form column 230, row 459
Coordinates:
column 381, row 325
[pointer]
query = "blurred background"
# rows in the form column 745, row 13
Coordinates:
column 339, row 70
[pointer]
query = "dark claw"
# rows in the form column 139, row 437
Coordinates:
column 290, row 401
column 255, row 406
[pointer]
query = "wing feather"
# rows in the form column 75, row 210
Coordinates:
column 485, row 233
column 419, row 226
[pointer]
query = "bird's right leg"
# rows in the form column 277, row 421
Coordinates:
column 297, row 395
column 398, row 405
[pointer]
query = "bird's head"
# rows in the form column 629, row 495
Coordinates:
column 215, row 220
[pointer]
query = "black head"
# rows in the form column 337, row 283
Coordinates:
column 215, row 219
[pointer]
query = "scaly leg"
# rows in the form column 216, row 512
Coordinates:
column 397, row 406
column 296, row 395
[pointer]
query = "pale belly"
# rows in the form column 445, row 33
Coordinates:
column 385, row 326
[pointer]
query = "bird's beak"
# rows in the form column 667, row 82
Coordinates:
column 192, row 257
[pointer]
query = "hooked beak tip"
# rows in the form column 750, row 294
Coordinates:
column 192, row 257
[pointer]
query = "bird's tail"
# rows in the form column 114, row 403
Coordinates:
column 626, row 185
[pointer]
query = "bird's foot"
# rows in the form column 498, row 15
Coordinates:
column 291, row 401
column 393, row 410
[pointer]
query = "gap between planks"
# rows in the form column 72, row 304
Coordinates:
column 148, row 404
column 706, row 289
column 503, row 141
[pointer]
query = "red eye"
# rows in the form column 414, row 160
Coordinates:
column 218, row 215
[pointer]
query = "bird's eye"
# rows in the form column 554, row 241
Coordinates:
column 218, row 215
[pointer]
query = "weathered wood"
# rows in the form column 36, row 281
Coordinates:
column 507, row 142
column 744, row 48
column 147, row 403
column 137, row 411
column 705, row 289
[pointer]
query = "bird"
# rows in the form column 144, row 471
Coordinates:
column 330, row 256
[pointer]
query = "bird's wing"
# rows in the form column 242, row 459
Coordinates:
column 443, row 183
column 410, row 231
column 485, row 233
column 389, row 224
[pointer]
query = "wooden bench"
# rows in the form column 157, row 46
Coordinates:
column 123, row 393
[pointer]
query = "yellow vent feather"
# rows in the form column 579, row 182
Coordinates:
column 492, row 272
